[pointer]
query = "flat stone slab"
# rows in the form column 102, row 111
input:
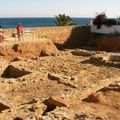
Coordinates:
column 109, row 59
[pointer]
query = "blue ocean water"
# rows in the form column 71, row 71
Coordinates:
column 37, row 22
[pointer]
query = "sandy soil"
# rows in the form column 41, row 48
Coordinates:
column 59, row 86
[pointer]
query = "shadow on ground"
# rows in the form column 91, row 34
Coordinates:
column 80, row 36
column 108, row 64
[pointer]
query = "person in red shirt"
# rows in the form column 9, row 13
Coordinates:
column 19, row 31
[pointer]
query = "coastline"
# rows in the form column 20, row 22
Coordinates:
column 37, row 22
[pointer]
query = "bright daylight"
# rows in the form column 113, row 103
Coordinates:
column 59, row 60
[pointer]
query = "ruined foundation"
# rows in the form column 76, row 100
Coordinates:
column 40, row 81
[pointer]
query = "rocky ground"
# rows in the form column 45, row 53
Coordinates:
column 60, row 85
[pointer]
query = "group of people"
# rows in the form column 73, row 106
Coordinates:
column 19, row 29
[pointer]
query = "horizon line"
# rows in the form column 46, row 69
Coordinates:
column 44, row 17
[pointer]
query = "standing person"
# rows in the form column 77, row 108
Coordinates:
column 19, row 31
column 1, row 30
column 1, row 34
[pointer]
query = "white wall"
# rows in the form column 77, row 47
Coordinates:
column 105, row 29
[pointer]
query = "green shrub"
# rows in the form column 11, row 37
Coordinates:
column 64, row 20
column 118, row 21
column 110, row 22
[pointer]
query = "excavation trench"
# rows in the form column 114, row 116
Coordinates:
column 13, row 72
column 3, row 107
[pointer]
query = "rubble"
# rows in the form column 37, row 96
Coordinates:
column 60, row 85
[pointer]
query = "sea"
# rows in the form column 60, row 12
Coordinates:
column 37, row 22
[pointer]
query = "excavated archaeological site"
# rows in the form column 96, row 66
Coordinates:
column 40, row 81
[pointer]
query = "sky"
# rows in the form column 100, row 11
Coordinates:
column 50, row 8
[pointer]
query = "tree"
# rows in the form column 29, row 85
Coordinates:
column 63, row 20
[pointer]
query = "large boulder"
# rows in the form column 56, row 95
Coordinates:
column 58, row 101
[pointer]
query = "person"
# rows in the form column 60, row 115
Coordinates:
column 2, row 38
column 1, row 30
column 19, row 31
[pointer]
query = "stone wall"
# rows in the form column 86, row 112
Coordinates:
column 106, row 29
column 70, row 36
column 109, row 43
